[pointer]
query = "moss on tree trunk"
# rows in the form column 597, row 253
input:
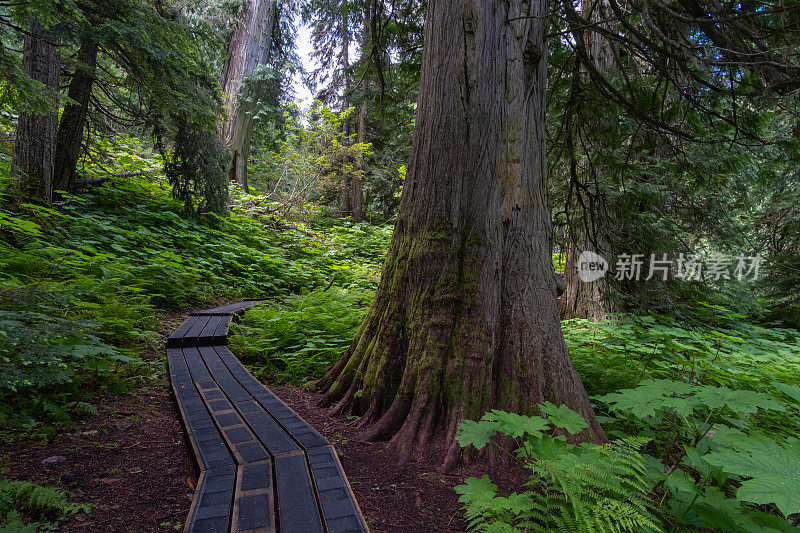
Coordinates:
column 465, row 318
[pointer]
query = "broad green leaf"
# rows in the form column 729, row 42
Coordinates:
column 477, row 434
column 476, row 490
column 563, row 417
column 774, row 469
column 792, row 391
column 515, row 425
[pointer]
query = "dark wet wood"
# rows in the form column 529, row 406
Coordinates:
column 263, row 468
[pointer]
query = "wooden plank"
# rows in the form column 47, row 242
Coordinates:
column 176, row 339
column 217, row 473
column 195, row 331
column 212, row 513
column 270, row 434
column 229, row 309
column 297, row 506
column 286, row 418
column 221, row 333
column 244, row 437
column 206, row 337
column 339, row 507
column 254, row 504
column 197, row 367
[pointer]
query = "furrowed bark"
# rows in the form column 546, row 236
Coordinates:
column 34, row 147
column 465, row 318
column 248, row 49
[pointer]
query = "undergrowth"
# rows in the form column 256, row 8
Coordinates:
column 25, row 499
column 704, row 417
column 84, row 282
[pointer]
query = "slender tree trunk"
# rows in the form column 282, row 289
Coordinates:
column 584, row 299
column 347, row 178
column 589, row 299
column 248, row 49
column 356, row 188
column 73, row 118
column 36, row 134
column 465, row 318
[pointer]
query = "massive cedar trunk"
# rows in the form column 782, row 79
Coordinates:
column 35, row 136
column 248, row 49
column 73, row 118
column 589, row 299
column 465, row 318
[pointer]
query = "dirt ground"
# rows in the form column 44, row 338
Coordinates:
column 133, row 465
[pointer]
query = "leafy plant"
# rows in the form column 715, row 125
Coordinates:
column 571, row 488
column 298, row 338
column 773, row 470
column 25, row 498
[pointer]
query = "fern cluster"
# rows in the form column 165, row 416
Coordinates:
column 585, row 489
column 32, row 500
column 593, row 488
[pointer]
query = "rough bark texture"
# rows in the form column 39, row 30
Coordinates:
column 36, row 134
column 73, row 118
column 465, row 318
column 249, row 47
column 583, row 299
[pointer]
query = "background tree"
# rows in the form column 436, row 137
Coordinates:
column 128, row 64
column 34, row 148
column 662, row 133
column 248, row 53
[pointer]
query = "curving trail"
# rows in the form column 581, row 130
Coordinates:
column 263, row 468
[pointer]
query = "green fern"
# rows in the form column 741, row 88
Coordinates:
column 35, row 500
column 583, row 489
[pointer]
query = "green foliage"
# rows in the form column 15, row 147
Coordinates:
column 308, row 157
column 571, row 488
column 84, row 283
column 716, row 401
column 774, row 470
column 654, row 397
column 197, row 169
column 717, row 347
column 704, row 458
column 24, row 498
column 297, row 339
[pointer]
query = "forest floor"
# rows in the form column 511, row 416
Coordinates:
column 132, row 463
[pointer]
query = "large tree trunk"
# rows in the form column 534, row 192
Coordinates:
column 249, row 47
column 36, row 134
column 589, row 299
column 465, row 318
column 73, row 118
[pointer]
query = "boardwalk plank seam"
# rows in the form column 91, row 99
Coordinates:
column 263, row 469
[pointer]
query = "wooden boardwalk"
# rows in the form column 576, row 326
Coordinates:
column 263, row 468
